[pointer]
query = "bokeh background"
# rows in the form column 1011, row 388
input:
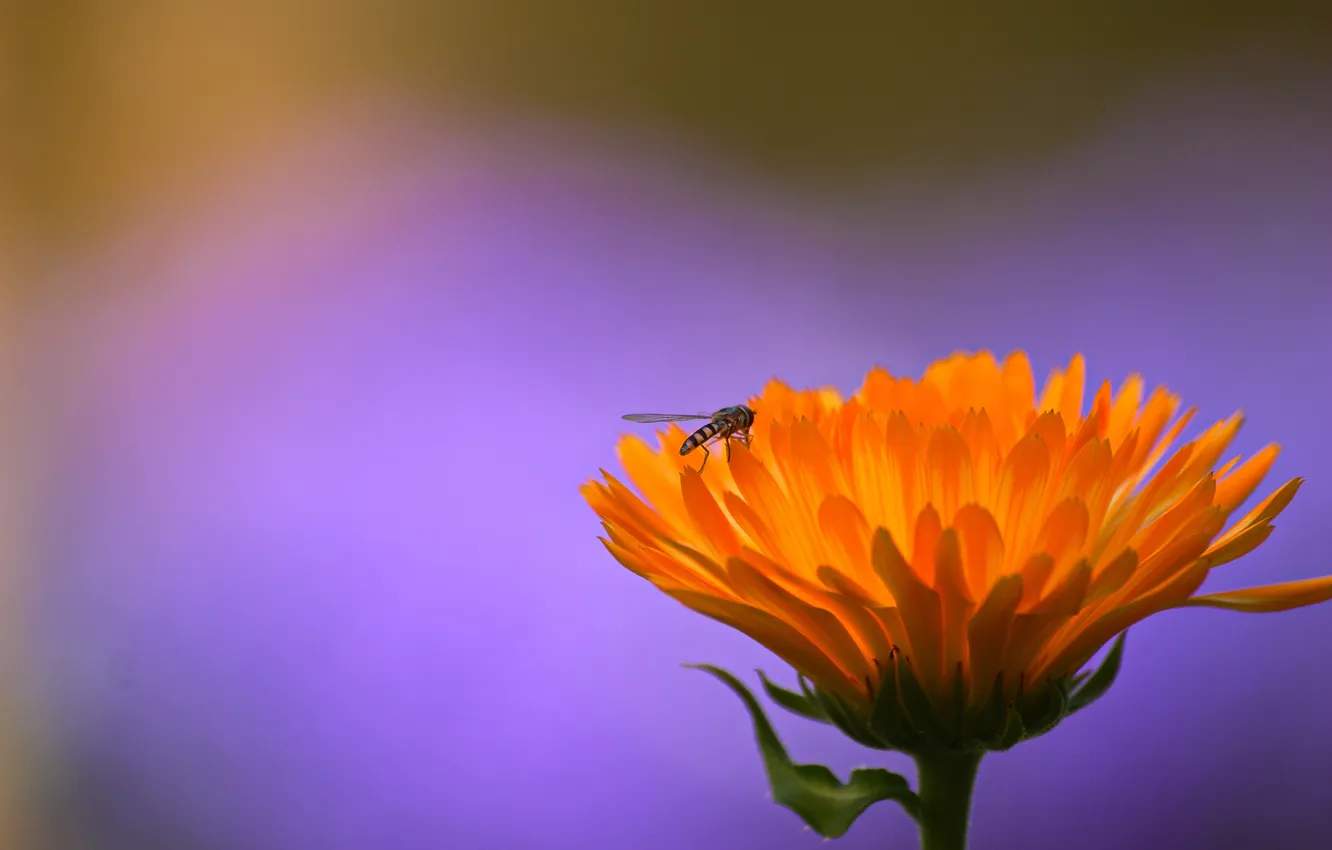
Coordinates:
column 316, row 314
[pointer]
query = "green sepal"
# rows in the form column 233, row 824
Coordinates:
column 887, row 718
column 803, row 705
column 1053, row 707
column 811, row 790
column 805, row 686
column 959, row 698
column 920, row 712
column 990, row 720
column 1101, row 680
column 845, row 718
column 1014, row 730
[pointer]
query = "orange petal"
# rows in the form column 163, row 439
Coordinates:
column 925, row 541
column 1092, row 426
column 1064, row 534
column 654, row 476
column 955, row 602
column 760, row 536
column 1134, row 512
column 712, row 525
column 814, row 464
column 1035, row 573
column 891, row 619
column 1052, row 429
column 1019, row 392
column 636, row 511
column 687, row 568
column 819, row 626
column 606, row 506
column 1022, row 480
column 1151, row 449
column 1080, row 646
column 1123, row 465
column 983, row 446
column 1164, row 528
column 626, row 558
column 848, row 537
column 1271, row 597
column 918, row 605
column 1266, row 511
column 982, row 546
column 1112, row 576
column 1235, row 488
column 1238, row 546
column 1074, row 384
column 1177, row 555
column 987, row 633
column 1067, row 597
column 948, row 477
column 877, row 390
column 800, row 548
column 787, row 643
column 1124, row 410
column 1088, row 472
column 1212, row 444
column 901, row 474
column 840, row 582
column 875, row 640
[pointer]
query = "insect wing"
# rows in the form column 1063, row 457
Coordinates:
column 665, row 417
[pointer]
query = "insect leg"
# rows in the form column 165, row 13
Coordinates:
column 727, row 440
column 706, row 455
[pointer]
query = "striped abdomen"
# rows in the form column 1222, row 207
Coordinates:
column 727, row 421
column 702, row 435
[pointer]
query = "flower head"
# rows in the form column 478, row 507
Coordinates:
column 958, row 539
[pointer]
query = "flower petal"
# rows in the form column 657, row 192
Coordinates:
column 987, row 633
column 712, row 525
column 948, row 476
column 848, row 538
column 654, row 474
column 1072, row 650
column 1235, row 488
column 918, row 605
column 955, row 601
column 821, row 627
column 784, row 641
column 1266, row 511
column 982, row 545
column 1124, row 410
column 1270, row 597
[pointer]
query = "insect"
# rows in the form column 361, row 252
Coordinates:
column 725, row 423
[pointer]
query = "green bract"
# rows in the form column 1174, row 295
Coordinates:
column 902, row 718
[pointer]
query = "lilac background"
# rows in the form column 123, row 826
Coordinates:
column 319, row 575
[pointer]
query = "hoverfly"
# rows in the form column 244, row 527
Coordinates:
column 725, row 423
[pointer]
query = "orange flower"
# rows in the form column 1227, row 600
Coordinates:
column 990, row 540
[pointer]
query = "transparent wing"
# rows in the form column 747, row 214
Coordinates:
column 665, row 417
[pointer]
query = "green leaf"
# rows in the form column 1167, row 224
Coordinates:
column 1101, row 680
column 802, row 704
column 811, row 790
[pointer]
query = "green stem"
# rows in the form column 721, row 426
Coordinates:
column 944, row 787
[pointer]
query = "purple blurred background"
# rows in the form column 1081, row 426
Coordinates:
column 314, row 571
